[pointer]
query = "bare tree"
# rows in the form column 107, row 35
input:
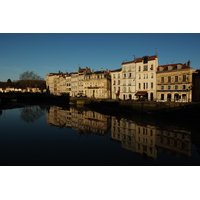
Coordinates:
column 29, row 75
column 30, row 79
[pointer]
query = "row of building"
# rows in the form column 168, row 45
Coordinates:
column 141, row 78
column 28, row 89
column 137, row 137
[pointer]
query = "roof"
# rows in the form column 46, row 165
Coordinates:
column 149, row 58
column 141, row 59
column 128, row 62
column 174, row 67
column 116, row 70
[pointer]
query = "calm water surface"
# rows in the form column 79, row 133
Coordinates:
column 51, row 135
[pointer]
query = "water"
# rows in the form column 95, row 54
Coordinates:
column 51, row 135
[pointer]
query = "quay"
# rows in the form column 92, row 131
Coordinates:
column 141, row 107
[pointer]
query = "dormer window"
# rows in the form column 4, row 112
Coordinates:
column 169, row 67
column 179, row 66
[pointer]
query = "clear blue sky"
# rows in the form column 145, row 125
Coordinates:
column 44, row 53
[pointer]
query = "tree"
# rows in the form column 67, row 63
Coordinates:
column 29, row 76
column 30, row 79
column 9, row 81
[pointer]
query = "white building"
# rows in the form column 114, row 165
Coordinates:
column 146, row 68
column 116, row 83
column 74, row 84
column 128, row 82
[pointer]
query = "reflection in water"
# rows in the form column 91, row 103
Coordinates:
column 149, row 140
column 32, row 113
column 86, row 122
column 136, row 137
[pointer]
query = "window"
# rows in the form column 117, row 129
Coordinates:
column 162, row 96
column 143, row 85
column 139, row 76
column 176, row 87
column 176, row 78
column 118, row 75
column 151, row 67
column 139, row 68
column 162, row 87
column 184, row 78
column 129, row 74
column 113, row 76
column 147, row 76
column 118, row 82
column 162, row 79
column 124, row 75
column 169, row 79
column 151, row 85
column 184, row 96
column 169, row 87
column 145, row 68
column 184, row 87
column 146, row 85
column 114, row 83
column 151, row 75
column 139, row 85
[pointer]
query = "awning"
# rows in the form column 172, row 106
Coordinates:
column 141, row 93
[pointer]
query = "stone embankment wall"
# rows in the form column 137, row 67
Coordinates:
column 137, row 107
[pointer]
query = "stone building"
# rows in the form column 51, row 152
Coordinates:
column 97, row 84
column 146, row 68
column 174, row 82
column 116, row 83
column 56, row 83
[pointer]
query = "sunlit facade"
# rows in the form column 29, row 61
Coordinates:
column 174, row 82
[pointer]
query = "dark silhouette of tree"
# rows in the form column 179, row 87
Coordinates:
column 9, row 81
column 30, row 114
column 29, row 75
column 31, row 79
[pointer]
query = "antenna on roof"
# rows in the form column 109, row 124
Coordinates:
column 172, row 61
column 156, row 51
column 134, row 57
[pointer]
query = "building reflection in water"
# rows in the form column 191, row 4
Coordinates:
column 136, row 137
column 86, row 122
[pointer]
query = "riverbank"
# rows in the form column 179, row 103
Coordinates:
column 142, row 107
column 16, row 100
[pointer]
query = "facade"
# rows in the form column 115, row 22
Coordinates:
column 68, row 84
column 128, row 82
column 116, row 83
column 174, row 82
column 74, row 84
column 146, row 68
column 97, row 84
column 141, row 79
column 56, row 83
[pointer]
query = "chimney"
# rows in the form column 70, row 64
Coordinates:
column 188, row 63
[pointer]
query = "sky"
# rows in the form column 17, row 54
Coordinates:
column 45, row 53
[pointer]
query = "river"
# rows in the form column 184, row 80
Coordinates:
column 44, row 135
